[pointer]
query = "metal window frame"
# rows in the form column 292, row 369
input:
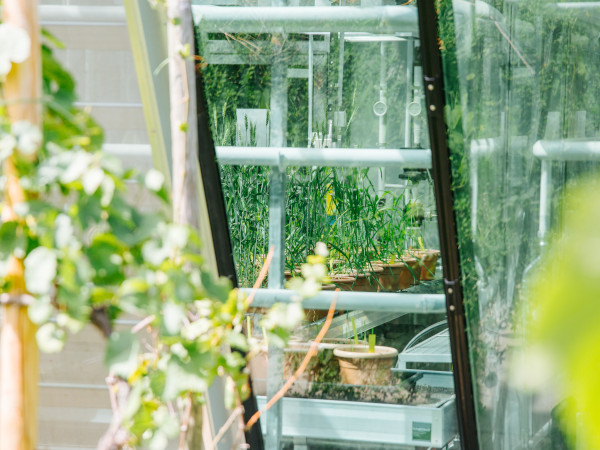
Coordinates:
column 442, row 179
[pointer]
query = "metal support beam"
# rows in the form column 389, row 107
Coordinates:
column 339, row 157
column 305, row 19
column 364, row 301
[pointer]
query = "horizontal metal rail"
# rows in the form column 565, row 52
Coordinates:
column 338, row 157
column 305, row 19
column 567, row 150
column 365, row 301
column 70, row 15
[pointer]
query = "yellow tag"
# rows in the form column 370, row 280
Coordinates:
column 420, row 239
column 330, row 202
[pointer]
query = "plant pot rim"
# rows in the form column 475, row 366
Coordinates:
column 299, row 347
column 349, row 351
column 342, row 277
column 402, row 262
column 427, row 251
column 331, row 344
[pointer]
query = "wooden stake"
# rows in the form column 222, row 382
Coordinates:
column 18, row 349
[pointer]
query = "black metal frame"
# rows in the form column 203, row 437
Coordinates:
column 442, row 177
column 217, row 214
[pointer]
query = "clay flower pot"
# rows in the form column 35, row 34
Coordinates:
column 367, row 280
column 427, row 260
column 342, row 281
column 258, row 371
column 359, row 367
column 399, row 275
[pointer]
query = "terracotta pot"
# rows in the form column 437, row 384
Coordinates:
column 343, row 281
column 368, row 281
column 427, row 260
column 258, row 371
column 399, row 275
column 294, row 354
column 288, row 273
column 359, row 367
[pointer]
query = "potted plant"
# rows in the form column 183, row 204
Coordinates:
column 426, row 262
column 365, row 364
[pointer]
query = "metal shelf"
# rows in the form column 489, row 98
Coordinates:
column 435, row 349
column 427, row 425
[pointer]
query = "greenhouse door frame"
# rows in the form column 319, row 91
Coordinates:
column 435, row 100
column 148, row 39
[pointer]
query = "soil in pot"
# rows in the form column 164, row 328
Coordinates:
column 399, row 275
column 359, row 367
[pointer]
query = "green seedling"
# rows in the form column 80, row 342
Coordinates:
column 354, row 331
column 372, row 340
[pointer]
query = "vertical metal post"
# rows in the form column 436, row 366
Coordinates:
column 340, row 84
column 545, row 200
column 310, row 88
column 442, row 175
column 410, row 57
column 382, row 139
column 276, row 239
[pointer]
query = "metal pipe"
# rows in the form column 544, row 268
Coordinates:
column 305, row 19
column 382, row 96
column 410, row 47
column 277, row 197
column 545, row 200
column 339, row 157
column 365, row 301
column 567, row 150
column 310, row 89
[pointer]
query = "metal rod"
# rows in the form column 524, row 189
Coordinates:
column 310, row 88
column 339, row 157
column 567, row 150
column 545, row 200
column 433, row 78
column 364, row 301
column 298, row 19
column 410, row 45
column 279, row 110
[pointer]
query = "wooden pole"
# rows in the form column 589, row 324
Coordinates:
column 184, row 144
column 18, row 348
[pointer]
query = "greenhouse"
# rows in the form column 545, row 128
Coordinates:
column 299, row 224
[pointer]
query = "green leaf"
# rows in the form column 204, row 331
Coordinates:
column 218, row 289
column 40, row 270
column 172, row 315
column 40, row 310
column 121, row 353
column 236, row 340
column 51, row 338
column 194, row 375
column 8, row 238
column 157, row 382
column 104, row 256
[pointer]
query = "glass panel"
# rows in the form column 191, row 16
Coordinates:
column 522, row 115
column 317, row 114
